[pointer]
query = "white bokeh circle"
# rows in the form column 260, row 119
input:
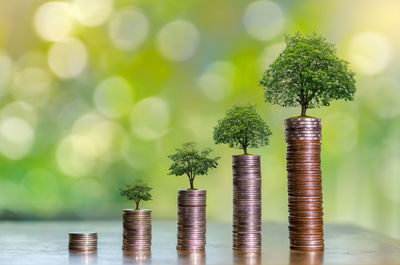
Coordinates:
column 68, row 58
column 113, row 97
column 178, row 40
column 263, row 20
column 150, row 118
column 92, row 12
column 16, row 137
column 369, row 52
column 216, row 82
column 6, row 71
column 54, row 21
column 33, row 85
column 128, row 28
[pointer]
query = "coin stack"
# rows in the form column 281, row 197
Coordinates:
column 246, row 203
column 191, row 220
column 137, row 230
column 82, row 242
column 303, row 138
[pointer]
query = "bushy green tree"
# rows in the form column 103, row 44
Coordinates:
column 242, row 128
column 137, row 192
column 309, row 74
column 190, row 161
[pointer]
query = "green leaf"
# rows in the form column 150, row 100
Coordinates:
column 190, row 161
column 308, row 73
column 137, row 192
column 242, row 127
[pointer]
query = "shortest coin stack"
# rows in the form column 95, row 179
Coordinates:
column 82, row 242
column 137, row 230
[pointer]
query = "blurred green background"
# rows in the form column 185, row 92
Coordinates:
column 95, row 93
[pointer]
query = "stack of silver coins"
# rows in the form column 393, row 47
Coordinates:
column 137, row 230
column 246, row 203
column 191, row 220
column 82, row 242
column 303, row 138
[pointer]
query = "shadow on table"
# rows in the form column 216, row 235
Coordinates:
column 137, row 257
column 306, row 257
column 248, row 258
column 86, row 258
column 191, row 258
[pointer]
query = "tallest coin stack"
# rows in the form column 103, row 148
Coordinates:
column 303, row 138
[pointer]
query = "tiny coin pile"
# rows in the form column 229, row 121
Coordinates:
column 137, row 230
column 246, row 203
column 191, row 220
column 82, row 242
column 303, row 157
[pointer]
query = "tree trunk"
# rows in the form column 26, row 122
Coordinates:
column 191, row 183
column 137, row 205
column 245, row 149
column 303, row 110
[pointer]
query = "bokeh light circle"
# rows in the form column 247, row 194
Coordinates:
column 54, row 21
column 388, row 174
column 113, row 97
column 269, row 54
column 216, row 82
column 19, row 109
column 92, row 12
column 33, row 85
column 150, row 118
column 340, row 140
column 70, row 161
column 387, row 105
column 369, row 52
column 16, row 137
column 88, row 145
column 67, row 59
column 6, row 71
column 128, row 28
column 263, row 20
column 178, row 40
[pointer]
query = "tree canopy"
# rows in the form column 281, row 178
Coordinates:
column 190, row 161
column 309, row 74
column 137, row 192
column 242, row 127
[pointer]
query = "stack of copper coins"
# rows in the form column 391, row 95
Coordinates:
column 303, row 138
column 137, row 230
column 191, row 220
column 82, row 242
column 246, row 203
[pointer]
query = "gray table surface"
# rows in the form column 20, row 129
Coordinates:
column 46, row 243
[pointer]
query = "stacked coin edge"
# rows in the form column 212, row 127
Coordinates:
column 303, row 137
column 136, row 230
column 246, row 203
column 82, row 242
column 191, row 234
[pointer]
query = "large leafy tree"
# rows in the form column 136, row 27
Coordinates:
column 309, row 74
column 137, row 192
column 242, row 128
column 190, row 161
